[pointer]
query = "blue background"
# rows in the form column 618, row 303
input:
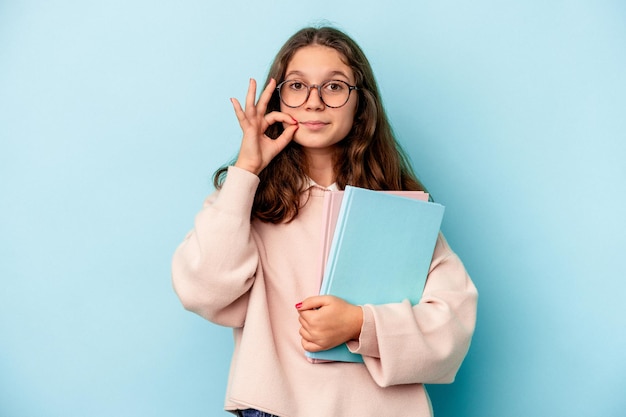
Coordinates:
column 113, row 115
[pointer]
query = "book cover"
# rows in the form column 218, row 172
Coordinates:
column 330, row 214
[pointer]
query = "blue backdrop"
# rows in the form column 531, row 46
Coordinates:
column 113, row 115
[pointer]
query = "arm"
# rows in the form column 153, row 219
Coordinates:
column 214, row 266
column 400, row 343
column 425, row 343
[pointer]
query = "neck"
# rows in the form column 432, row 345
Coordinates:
column 321, row 166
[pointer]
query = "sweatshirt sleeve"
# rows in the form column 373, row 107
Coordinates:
column 214, row 267
column 425, row 343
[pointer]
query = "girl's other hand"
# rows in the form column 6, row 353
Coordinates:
column 327, row 321
column 257, row 149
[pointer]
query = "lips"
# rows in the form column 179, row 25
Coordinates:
column 314, row 124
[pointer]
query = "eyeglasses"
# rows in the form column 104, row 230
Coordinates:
column 333, row 93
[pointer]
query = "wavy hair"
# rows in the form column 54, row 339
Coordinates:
column 368, row 157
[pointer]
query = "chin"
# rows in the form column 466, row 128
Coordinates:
column 315, row 143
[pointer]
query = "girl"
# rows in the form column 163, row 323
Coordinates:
column 252, row 255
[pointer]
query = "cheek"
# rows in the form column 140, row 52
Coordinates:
column 287, row 110
column 346, row 125
column 350, row 116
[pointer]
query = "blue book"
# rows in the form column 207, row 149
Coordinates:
column 380, row 253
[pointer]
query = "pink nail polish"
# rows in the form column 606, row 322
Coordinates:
column 298, row 305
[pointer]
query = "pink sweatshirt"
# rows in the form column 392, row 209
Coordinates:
column 249, row 275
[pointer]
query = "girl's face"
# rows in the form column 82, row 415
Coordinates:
column 320, row 127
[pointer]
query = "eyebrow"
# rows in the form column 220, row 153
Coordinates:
column 330, row 74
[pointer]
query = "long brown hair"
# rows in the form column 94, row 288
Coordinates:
column 368, row 157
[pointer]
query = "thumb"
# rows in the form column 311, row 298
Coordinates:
column 287, row 135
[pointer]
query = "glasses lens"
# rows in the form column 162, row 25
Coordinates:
column 335, row 93
column 293, row 93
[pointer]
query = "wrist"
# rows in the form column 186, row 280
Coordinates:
column 357, row 320
column 248, row 167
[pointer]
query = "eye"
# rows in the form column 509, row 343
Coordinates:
column 296, row 85
column 334, row 86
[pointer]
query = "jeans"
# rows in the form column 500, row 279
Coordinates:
column 253, row 413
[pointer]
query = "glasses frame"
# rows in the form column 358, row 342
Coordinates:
column 318, row 87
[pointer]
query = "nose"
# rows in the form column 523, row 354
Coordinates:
column 314, row 101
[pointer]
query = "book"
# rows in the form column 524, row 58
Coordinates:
column 380, row 253
column 330, row 214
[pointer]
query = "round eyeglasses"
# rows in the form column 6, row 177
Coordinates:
column 333, row 93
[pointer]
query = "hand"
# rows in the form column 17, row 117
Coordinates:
column 327, row 321
column 257, row 149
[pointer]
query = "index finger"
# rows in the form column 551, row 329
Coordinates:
column 266, row 96
column 250, row 96
column 312, row 303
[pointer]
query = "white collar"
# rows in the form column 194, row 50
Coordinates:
column 331, row 187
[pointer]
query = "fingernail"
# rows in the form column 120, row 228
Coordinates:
column 298, row 305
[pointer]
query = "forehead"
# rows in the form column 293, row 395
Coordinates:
column 317, row 61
